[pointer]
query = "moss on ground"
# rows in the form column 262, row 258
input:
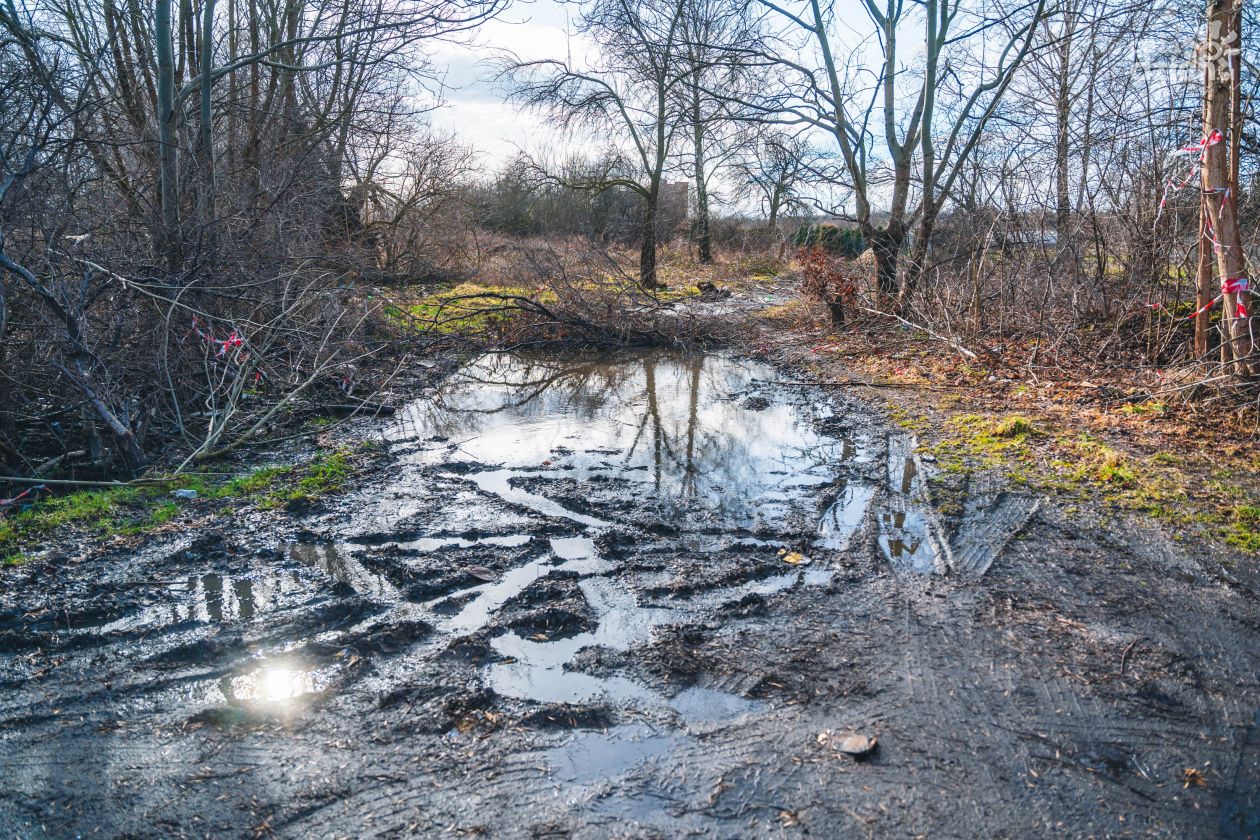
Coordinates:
column 466, row 308
column 131, row 509
column 1082, row 465
column 971, row 439
column 1242, row 530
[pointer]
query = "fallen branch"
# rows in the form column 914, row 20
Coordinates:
column 371, row 409
column 70, row 482
column 952, row 342
column 853, row 383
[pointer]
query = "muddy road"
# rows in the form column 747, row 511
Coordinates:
column 639, row 597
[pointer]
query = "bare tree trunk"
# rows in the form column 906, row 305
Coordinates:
column 1063, row 114
column 703, row 239
column 168, row 161
column 647, row 246
column 208, row 188
column 1203, row 288
column 835, row 307
column 1223, row 18
column 917, row 266
column 251, row 153
column 886, row 246
column 772, row 225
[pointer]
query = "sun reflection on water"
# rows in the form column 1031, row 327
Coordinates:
column 274, row 683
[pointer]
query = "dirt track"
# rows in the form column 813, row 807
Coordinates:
column 561, row 608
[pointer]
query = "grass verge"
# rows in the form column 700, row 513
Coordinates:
column 132, row 509
column 1079, row 465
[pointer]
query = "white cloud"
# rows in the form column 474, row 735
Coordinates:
column 474, row 105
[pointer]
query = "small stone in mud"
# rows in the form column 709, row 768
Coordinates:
column 858, row 746
column 855, row 744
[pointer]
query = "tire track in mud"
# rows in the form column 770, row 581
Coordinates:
column 641, row 564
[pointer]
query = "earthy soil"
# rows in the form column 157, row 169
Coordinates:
column 646, row 596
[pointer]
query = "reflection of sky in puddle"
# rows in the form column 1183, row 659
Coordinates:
column 704, row 705
column 489, row 597
column 595, row 756
column 539, row 670
column 338, row 564
column 427, row 544
column 905, row 543
column 212, row 597
column 673, row 422
column 215, row 597
column 845, row 517
column 904, row 525
column 681, row 432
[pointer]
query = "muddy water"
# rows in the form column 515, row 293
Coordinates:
column 542, row 525
column 704, row 430
column 679, row 454
column 573, row 472
column 589, row 597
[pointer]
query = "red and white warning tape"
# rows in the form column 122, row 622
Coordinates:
column 1231, row 286
column 4, row 503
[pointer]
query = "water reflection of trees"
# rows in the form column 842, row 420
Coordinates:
column 514, row 384
column 675, row 414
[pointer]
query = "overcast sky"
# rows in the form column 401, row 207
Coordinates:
column 537, row 29
column 474, row 108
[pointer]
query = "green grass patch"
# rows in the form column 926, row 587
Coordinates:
column 1242, row 531
column 258, row 483
column 322, row 476
column 126, row 509
column 134, row 509
column 466, row 308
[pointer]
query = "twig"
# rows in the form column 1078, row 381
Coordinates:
column 846, row 383
column 952, row 342
column 1124, row 657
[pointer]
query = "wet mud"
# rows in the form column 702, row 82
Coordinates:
column 644, row 596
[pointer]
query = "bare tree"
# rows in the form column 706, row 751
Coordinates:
column 777, row 171
column 629, row 97
column 1222, row 127
column 710, row 29
column 930, row 114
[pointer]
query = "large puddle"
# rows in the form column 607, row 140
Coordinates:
column 699, row 454
column 546, row 515
column 703, row 431
column 592, row 544
column 545, row 520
